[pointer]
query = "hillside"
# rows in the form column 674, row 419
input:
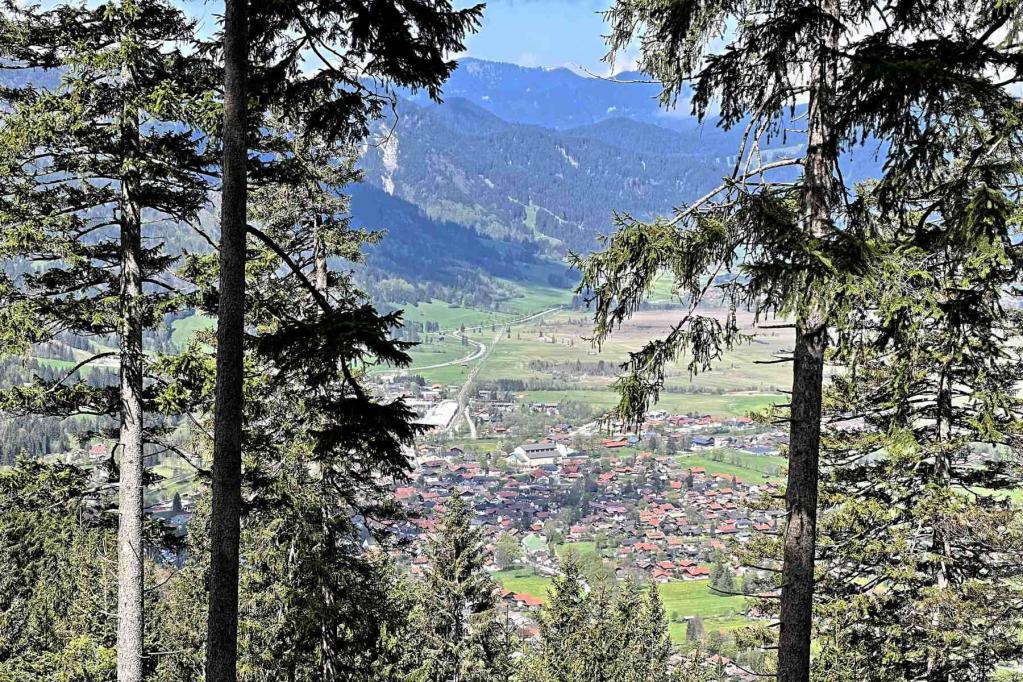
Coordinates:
column 528, row 183
column 545, row 157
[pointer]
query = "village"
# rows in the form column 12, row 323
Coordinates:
column 658, row 502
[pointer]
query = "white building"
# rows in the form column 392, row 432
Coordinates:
column 440, row 415
column 533, row 455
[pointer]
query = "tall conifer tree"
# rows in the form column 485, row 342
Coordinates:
column 312, row 60
column 320, row 451
column 908, row 75
column 920, row 548
column 564, row 621
column 86, row 161
column 463, row 637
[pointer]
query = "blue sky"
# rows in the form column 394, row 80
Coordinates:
column 543, row 33
column 526, row 32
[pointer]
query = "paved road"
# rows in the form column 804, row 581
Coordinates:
column 478, row 352
column 480, row 348
column 463, row 393
column 508, row 323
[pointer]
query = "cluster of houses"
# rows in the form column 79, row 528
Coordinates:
column 644, row 513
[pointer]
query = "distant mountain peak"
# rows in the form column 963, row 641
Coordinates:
column 553, row 97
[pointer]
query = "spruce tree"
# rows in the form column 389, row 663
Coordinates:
column 625, row 629
column 599, row 650
column 313, row 60
column 921, row 550
column 321, row 451
column 457, row 619
column 312, row 614
column 909, row 76
column 563, row 621
column 694, row 629
column 87, row 160
column 57, row 596
column 653, row 645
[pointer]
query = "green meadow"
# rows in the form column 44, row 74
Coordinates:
column 682, row 599
column 751, row 469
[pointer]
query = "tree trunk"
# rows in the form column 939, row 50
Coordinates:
column 940, row 546
column 801, row 504
column 328, row 634
column 319, row 259
column 225, row 521
column 130, row 567
column 807, row 387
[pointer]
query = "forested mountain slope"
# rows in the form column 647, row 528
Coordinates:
column 548, row 155
column 525, row 182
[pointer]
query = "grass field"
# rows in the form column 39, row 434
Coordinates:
column 562, row 340
column 695, row 598
column 482, row 445
column 450, row 316
column 556, row 348
column 53, row 363
column 751, row 472
column 535, row 298
column 438, row 350
column 723, row 624
column 523, row 580
column 183, row 329
column 682, row 598
column 580, row 548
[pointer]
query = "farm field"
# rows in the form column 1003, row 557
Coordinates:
column 722, row 624
column 448, row 349
column 682, row 598
column 558, row 347
column 450, row 316
column 695, row 598
column 535, row 298
column 554, row 350
column 749, row 470
column 727, row 405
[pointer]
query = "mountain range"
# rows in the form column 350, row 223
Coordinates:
column 528, row 163
column 538, row 160
column 517, row 167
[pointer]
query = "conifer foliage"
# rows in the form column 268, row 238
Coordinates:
column 310, row 60
column 86, row 164
column 58, row 598
column 616, row 636
column 921, row 549
column 463, row 636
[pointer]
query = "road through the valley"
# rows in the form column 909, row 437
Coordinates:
column 480, row 349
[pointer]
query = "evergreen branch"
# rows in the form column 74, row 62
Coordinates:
column 77, row 367
column 293, row 266
column 731, row 182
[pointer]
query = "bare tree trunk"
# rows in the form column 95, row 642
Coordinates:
column 225, row 521
column 942, row 474
column 801, row 505
column 800, row 538
column 130, row 567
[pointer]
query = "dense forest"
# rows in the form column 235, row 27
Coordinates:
column 154, row 174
